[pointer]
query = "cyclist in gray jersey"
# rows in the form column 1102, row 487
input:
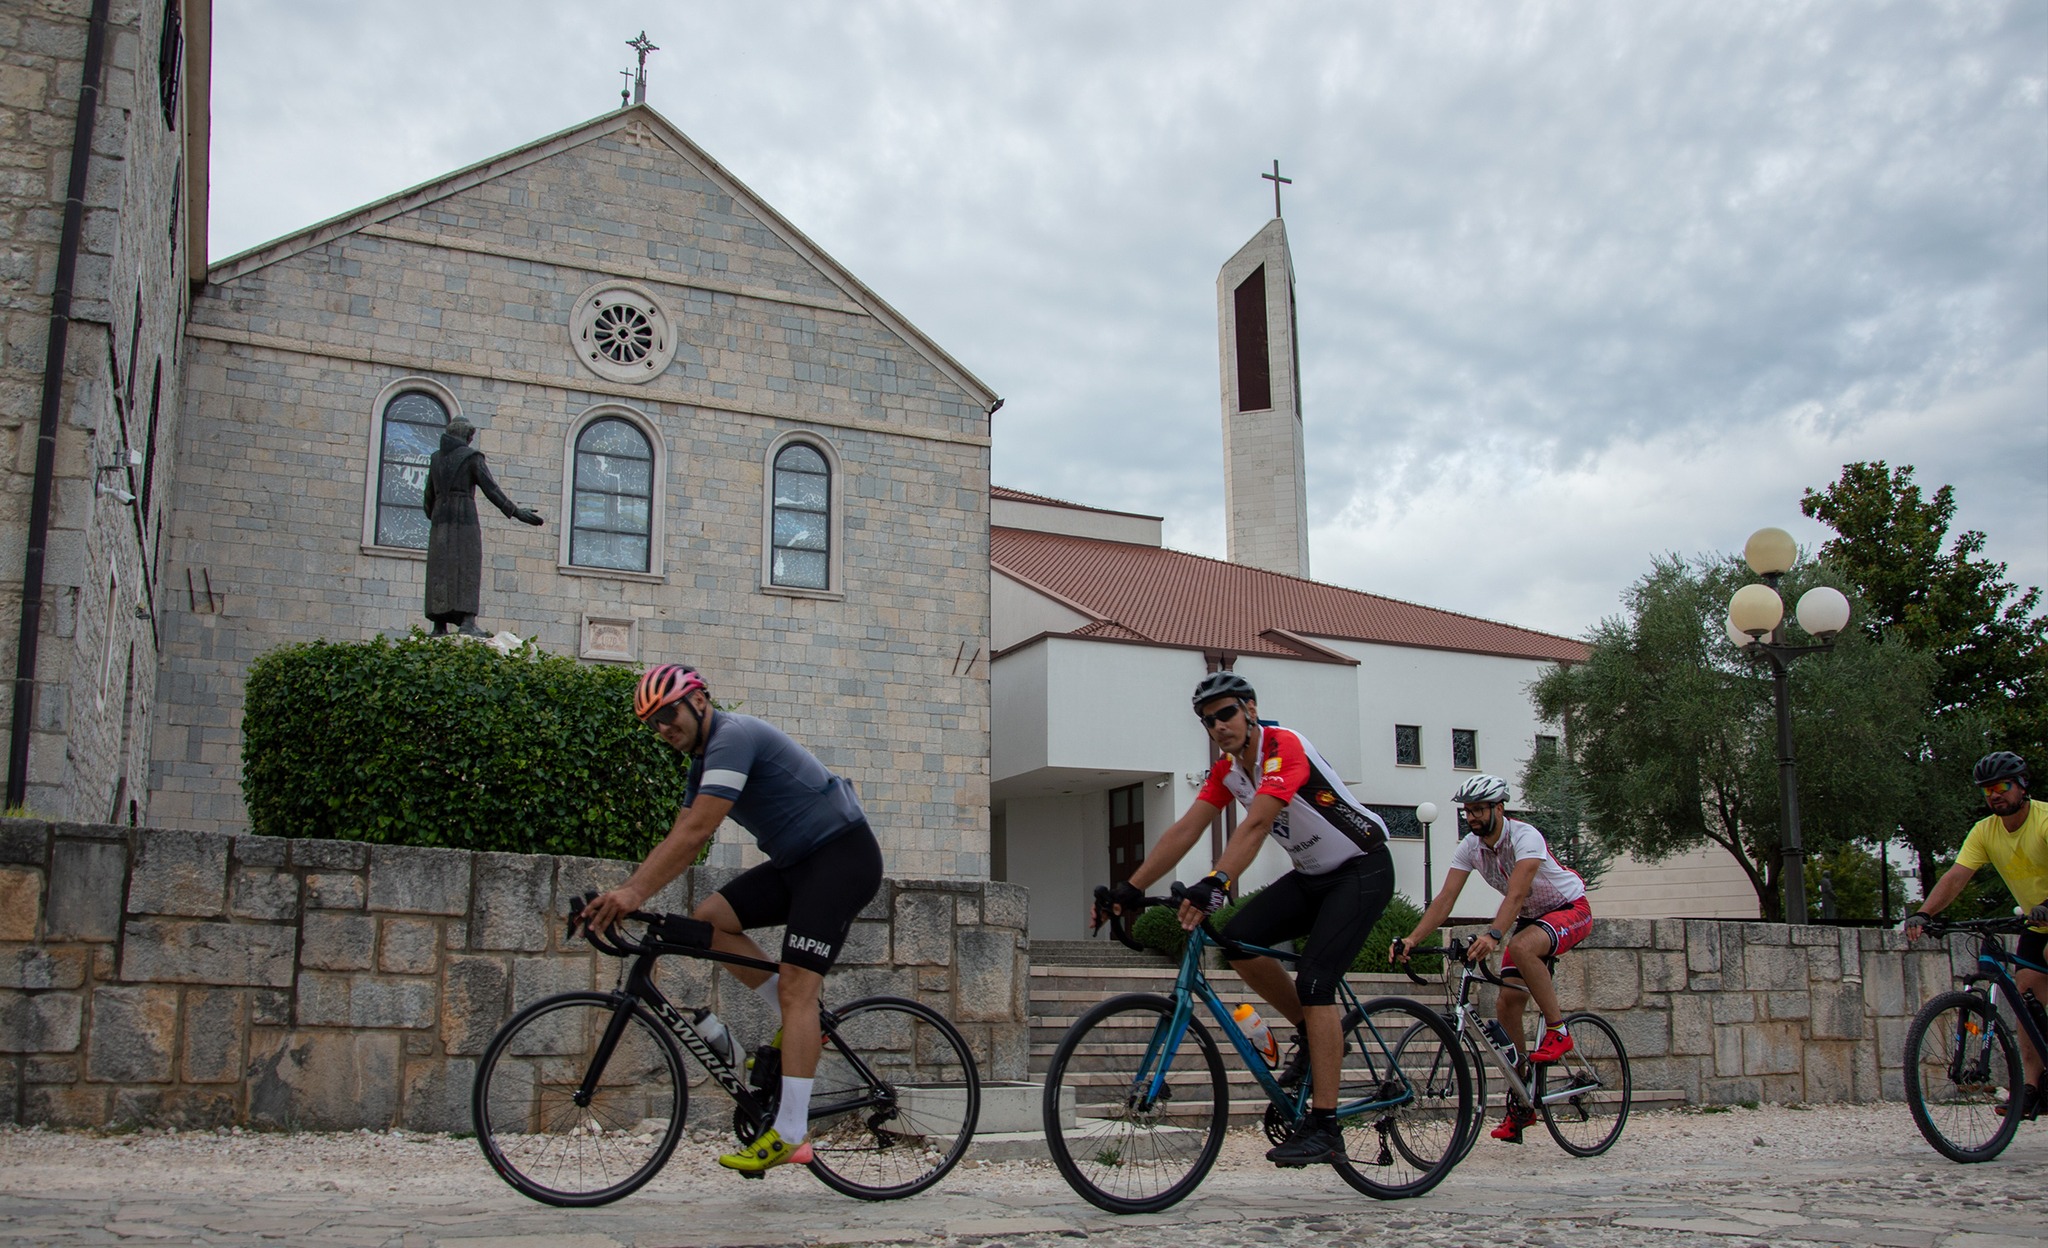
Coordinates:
column 823, row 866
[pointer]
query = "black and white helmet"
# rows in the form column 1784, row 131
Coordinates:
column 1481, row 790
column 1223, row 685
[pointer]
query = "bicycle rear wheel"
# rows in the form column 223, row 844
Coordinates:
column 1134, row 1116
column 1595, row 1075
column 895, row 1100
column 1963, row 1080
column 538, row 1130
column 1405, row 1100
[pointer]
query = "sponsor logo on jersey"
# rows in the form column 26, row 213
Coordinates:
column 1280, row 828
column 1273, row 764
column 1326, row 798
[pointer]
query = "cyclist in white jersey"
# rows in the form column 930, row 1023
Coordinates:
column 1544, row 901
column 1343, row 878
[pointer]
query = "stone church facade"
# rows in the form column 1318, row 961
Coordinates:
column 747, row 460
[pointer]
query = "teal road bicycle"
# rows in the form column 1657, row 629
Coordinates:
column 1962, row 1064
column 1137, row 1099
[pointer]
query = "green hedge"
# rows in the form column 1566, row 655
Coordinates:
column 1159, row 929
column 424, row 741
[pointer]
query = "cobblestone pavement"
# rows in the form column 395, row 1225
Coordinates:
column 1856, row 1175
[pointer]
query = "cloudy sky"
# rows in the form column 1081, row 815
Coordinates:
column 1578, row 283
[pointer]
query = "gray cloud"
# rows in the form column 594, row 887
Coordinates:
column 1579, row 283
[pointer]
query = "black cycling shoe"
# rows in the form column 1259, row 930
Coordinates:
column 2030, row 1103
column 1313, row 1145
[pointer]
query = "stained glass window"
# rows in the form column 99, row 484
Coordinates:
column 613, row 521
column 1407, row 745
column 412, row 433
column 802, row 546
column 1465, row 749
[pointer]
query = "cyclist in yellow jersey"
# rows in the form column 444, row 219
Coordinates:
column 2014, row 840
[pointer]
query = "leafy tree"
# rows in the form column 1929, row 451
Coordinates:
column 1943, row 597
column 1556, row 810
column 1849, row 874
column 1673, row 745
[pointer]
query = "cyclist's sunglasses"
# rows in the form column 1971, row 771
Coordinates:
column 1223, row 716
column 2000, row 789
column 663, row 717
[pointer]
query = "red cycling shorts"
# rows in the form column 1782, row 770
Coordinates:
column 1567, row 926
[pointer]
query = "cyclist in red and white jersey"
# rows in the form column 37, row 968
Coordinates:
column 1343, row 878
column 1543, row 900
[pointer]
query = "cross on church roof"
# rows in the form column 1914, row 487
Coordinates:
column 643, row 46
column 1275, row 178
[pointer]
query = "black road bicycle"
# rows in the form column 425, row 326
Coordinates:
column 1137, row 1101
column 581, row 1097
column 1963, row 1080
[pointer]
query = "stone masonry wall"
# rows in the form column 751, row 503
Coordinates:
column 198, row 979
column 1729, row 1012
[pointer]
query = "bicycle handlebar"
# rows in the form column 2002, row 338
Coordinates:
column 1935, row 925
column 1120, row 924
column 665, row 932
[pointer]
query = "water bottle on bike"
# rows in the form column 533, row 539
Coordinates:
column 1509, row 1053
column 1256, row 1031
column 718, row 1036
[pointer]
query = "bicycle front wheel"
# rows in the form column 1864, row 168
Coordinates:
column 1479, row 1064
column 1134, row 1115
column 1405, row 1100
column 895, row 1100
column 1963, row 1079
column 550, row 1139
column 1585, row 1094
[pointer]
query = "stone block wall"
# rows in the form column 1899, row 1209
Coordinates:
column 1728, row 1011
column 197, row 979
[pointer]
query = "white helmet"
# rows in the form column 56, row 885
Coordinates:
column 1480, row 790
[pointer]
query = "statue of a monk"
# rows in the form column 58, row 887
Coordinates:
column 455, row 544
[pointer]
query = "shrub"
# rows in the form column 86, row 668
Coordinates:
column 1159, row 929
column 435, row 742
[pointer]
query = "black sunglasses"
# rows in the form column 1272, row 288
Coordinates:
column 1223, row 716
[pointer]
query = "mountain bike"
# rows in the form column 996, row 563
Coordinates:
column 580, row 1098
column 1137, row 1100
column 1583, row 1097
column 1963, row 1080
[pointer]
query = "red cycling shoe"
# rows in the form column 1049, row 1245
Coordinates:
column 1510, row 1128
column 1556, row 1043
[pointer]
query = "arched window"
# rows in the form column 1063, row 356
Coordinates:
column 612, row 524
column 412, row 426
column 801, row 532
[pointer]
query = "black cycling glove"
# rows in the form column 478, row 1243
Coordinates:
column 1207, row 894
column 1129, row 896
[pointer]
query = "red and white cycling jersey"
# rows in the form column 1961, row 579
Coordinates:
column 1322, row 825
column 1556, row 885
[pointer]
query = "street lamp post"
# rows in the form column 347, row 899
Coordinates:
column 1425, row 814
column 1756, row 617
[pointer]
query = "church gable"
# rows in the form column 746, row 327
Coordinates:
column 628, row 202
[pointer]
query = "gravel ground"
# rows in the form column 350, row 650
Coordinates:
column 1775, row 1175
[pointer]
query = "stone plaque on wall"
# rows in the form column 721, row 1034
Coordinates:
column 607, row 638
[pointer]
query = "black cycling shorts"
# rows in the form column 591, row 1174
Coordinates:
column 817, row 896
column 1335, row 911
column 2033, row 946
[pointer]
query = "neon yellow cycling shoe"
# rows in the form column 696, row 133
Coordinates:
column 766, row 1153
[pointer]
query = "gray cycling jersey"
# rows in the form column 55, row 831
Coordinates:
column 779, row 793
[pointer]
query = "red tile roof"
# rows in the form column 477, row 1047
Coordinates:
column 1003, row 494
column 1172, row 598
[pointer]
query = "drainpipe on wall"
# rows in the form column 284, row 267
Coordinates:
column 53, row 400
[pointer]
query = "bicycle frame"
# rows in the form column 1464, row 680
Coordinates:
column 1991, row 962
column 1191, row 985
column 1466, row 1022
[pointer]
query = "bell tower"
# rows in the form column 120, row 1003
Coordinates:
column 1265, row 486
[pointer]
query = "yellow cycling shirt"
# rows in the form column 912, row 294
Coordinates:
column 2021, row 856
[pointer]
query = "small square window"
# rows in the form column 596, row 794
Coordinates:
column 1465, row 749
column 1407, row 745
column 1546, row 750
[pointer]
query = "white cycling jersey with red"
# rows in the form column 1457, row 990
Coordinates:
column 1556, row 886
column 1321, row 825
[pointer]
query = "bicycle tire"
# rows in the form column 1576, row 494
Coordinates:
column 523, row 1102
column 1596, row 1072
column 1120, row 1137
column 1479, row 1064
column 1394, row 1048
column 1962, row 1069
column 910, row 1095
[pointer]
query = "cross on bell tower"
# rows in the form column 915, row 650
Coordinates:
column 1275, row 178
column 643, row 47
